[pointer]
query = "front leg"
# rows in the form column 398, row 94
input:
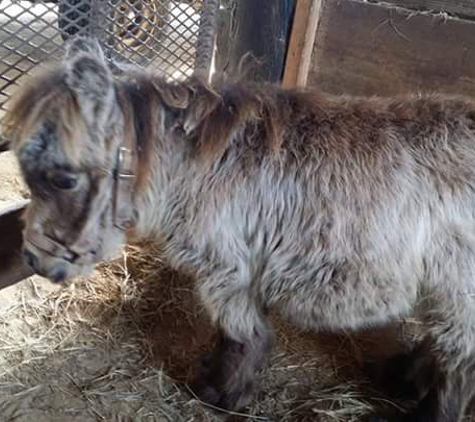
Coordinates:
column 227, row 376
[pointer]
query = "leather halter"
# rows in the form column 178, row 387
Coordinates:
column 123, row 214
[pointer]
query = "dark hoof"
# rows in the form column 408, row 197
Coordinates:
column 393, row 376
column 206, row 362
column 206, row 393
column 225, row 378
column 393, row 418
column 226, row 397
column 211, row 386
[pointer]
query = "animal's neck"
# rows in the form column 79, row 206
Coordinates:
column 160, row 160
column 185, row 129
column 165, row 183
column 138, row 108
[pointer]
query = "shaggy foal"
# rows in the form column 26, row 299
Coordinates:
column 340, row 213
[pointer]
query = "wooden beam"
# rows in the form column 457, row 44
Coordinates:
column 12, row 267
column 257, row 32
column 4, row 145
column 461, row 8
column 377, row 49
column 302, row 39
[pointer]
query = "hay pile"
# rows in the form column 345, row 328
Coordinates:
column 121, row 345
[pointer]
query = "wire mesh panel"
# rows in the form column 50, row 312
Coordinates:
column 158, row 33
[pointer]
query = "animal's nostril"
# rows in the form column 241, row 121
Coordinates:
column 30, row 259
column 58, row 274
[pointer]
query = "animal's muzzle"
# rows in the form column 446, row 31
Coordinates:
column 52, row 247
column 57, row 273
column 55, row 249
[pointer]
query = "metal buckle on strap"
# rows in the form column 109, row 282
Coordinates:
column 123, row 189
column 125, row 165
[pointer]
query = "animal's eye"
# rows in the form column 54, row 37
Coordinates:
column 63, row 181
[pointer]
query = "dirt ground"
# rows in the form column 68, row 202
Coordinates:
column 120, row 346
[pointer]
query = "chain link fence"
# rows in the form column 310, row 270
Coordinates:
column 159, row 33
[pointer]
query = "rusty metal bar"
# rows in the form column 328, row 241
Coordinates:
column 206, row 37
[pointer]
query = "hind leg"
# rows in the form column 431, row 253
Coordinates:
column 407, row 375
column 450, row 391
column 442, row 394
column 443, row 390
column 448, row 310
column 449, row 313
column 227, row 376
column 448, row 399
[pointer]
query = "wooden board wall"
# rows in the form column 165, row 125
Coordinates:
column 12, row 266
column 364, row 48
column 254, row 34
column 461, row 8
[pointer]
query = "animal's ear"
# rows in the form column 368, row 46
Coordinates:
column 90, row 79
column 176, row 96
column 204, row 102
column 195, row 99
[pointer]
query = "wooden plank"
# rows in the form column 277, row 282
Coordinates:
column 206, row 38
column 258, row 30
column 462, row 8
column 296, row 43
column 302, row 38
column 370, row 49
column 4, row 145
column 224, row 36
column 12, row 267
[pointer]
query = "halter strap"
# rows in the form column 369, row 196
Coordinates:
column 54, row 248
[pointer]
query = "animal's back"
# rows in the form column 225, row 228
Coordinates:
column 336, row 226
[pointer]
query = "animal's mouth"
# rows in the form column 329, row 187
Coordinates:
column 55, row 249
column 56, row 261
column 56, row 271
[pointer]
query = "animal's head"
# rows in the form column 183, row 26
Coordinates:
column 67, row 131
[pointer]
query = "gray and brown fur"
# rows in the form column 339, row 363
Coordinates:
column 341, row 213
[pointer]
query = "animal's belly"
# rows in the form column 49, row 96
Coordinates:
column 345, row 300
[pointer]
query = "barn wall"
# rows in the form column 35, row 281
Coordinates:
column 252, row 39
column 461, row 8
column 368, row 48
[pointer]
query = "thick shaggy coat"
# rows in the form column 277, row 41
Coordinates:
column 340, row 213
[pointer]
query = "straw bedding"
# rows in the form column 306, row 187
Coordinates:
column 121, row 345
